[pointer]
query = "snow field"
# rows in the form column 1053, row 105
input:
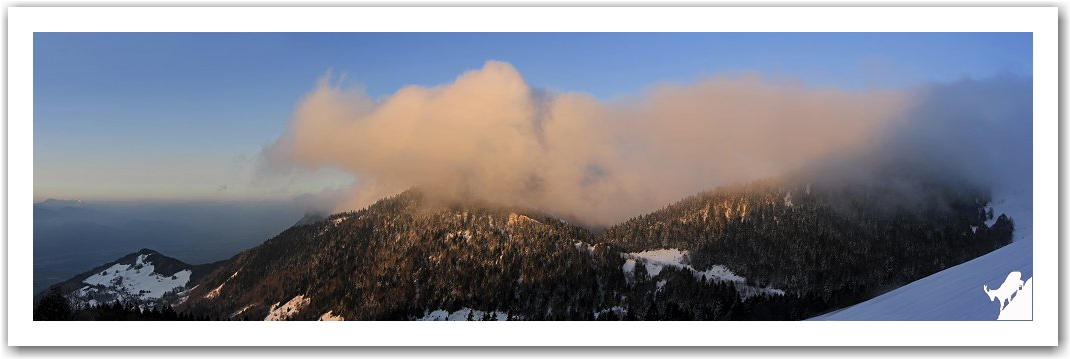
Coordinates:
column 656, row 260
column 138, row 279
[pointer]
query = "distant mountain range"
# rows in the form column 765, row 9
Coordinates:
column 53, row 203
column 52, row 208
column 778, row 249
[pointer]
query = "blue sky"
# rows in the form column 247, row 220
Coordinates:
column 184, row 115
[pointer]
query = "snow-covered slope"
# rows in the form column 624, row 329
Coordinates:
column 138, row 280
column 145, row 277
column 957, row 293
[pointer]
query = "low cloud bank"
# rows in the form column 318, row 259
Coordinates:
column 489, row 135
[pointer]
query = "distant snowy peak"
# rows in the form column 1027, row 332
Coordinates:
column 138, row 280
column 53, row 203
column 52, row 208
column 145, row 277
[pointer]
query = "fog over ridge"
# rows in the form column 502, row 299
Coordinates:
column 489, row 135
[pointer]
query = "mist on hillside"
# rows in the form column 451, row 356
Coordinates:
column 491, row 136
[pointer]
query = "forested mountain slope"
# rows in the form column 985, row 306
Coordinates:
column 787, row 248
column 841, row 242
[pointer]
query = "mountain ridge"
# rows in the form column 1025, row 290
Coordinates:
column 110, row 281
column 766, row 237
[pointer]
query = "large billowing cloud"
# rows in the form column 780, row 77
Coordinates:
column 489, row 135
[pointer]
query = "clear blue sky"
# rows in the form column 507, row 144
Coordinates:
column 183, row 115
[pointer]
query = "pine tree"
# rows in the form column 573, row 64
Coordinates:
column 53, row 307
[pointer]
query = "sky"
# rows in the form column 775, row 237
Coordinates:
column 190, row 116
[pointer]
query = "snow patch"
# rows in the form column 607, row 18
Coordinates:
column 653, row 268
column 332, row 224
column 240, row 311
column 656, row 260
column 666, row 256
column 515, row 219
column 620, row 311
column 330, row 317
column 991, row 221
column 215, row 292
column 462, row 315
column 581, row 245
column 182, row 298
column 722, row 272
column 288, row 310
column 629, row 266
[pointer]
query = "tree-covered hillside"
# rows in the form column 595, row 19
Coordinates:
column 782, row 249
column 841, row 242
column 785, row 250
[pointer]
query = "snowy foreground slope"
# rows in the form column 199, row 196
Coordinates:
column 957, row 293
